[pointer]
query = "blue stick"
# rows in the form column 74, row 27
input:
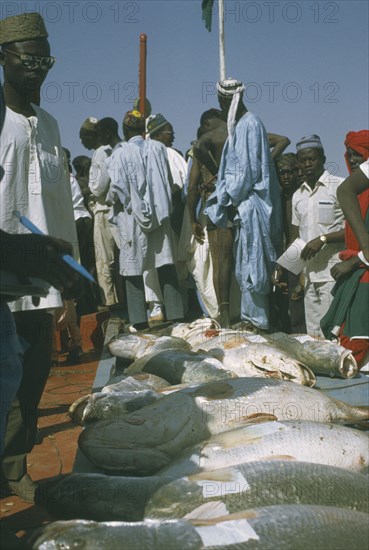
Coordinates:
column 66, row 257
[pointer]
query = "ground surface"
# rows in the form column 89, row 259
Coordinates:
column 57, row 438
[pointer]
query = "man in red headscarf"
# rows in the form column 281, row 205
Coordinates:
column 348, row 317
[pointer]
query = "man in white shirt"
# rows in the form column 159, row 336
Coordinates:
column 317, row 218
column 33, row 183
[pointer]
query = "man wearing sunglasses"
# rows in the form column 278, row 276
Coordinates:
column 34, row 183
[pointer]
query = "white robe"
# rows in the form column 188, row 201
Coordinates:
column 35, row 183
column 178, row 170
column 178, row 167
column 138, row 171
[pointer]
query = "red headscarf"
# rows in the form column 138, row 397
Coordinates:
column 359, row 142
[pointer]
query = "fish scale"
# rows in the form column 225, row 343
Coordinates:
column 261, row 483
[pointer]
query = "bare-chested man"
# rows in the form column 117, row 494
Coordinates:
column 207, row 155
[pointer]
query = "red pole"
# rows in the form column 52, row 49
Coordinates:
column 142, row 73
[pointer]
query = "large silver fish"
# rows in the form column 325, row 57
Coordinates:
column 261, row 483
column 329, row 444
column 146, row 440
column 321, row 356
column 265, row 483
column 246, row 358
column 132, row 346
column 181, row 366
column 289, row 527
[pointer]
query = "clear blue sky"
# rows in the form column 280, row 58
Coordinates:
column 305, row 63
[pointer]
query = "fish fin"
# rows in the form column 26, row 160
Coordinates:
column 245, row 435
column 134, row 420
column 270, row 373
column 258, row 418
column 172, row 388
column 146, row 336
column 208, row 511
column 222, row 475
column 231, row 344
column 309, row 376
column 275, row 375
column 278, row 457
column 246, row 514
column 140, row 375
column 214, row 390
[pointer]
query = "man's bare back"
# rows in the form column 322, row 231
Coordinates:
column 208, row 149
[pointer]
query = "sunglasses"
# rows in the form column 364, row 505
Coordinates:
column 34, row 61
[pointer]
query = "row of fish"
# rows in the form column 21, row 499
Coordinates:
column 212, row 446
column 168, row 360
column 171, row 495
column 145, row 440
column 284, row 527
column 278, row 351
column 230, row 355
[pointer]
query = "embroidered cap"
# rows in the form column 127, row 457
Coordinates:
column 309, row 142
column 134, row 119
column 155, row 123
column 26, row 26
column 90, row 124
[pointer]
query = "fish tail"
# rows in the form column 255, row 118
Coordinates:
column 364, row 411
column 361, row 414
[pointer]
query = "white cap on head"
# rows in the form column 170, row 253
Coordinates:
column 231, row 88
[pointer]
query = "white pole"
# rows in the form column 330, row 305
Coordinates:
column 221, row 41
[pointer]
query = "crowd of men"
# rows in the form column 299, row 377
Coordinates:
column 151, row 224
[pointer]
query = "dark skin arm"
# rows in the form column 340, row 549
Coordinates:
column 202, row 152
column 340, row 270
column 278, row 270
column 294, row 234
column 347, row 194
column 192, row 200
column 278, row 144
column 208, row 148
column 85, row 190
column 276, row 277
column 298, row 291
column 313, row 246
column 37, row 256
